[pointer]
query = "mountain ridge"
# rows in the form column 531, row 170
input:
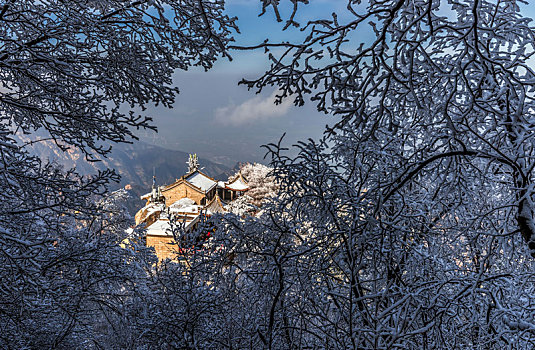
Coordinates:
column 136, row 163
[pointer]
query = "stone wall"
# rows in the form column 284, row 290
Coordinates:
column 163, row 246
column 182, row 191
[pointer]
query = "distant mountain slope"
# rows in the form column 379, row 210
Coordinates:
column 136, row 164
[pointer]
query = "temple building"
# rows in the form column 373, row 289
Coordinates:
column 232, row 190
column 186, row 202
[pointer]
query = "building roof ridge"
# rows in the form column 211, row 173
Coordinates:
column 179, row 181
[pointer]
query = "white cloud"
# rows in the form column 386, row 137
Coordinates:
column 254, row 109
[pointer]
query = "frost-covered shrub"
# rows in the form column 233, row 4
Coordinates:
column 260, row 181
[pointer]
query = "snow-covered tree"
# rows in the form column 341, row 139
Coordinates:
column 77, row 72
column 242, row 206
column 410, row 224
column 440, row 84
column 77, row 69
column 261, row 183
column 64, row 270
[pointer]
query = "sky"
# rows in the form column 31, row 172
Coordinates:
column 220, row 120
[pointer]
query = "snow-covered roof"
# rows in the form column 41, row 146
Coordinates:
column 182, row 181
column 159, row 228
column 151, row 208
column 221, row 184
column 216, row 205
column 182, row 203
column 186, row 209
column 163, row 227
column 146, row 195
column 147, row 211
column 200, row 180
column 238, row 184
